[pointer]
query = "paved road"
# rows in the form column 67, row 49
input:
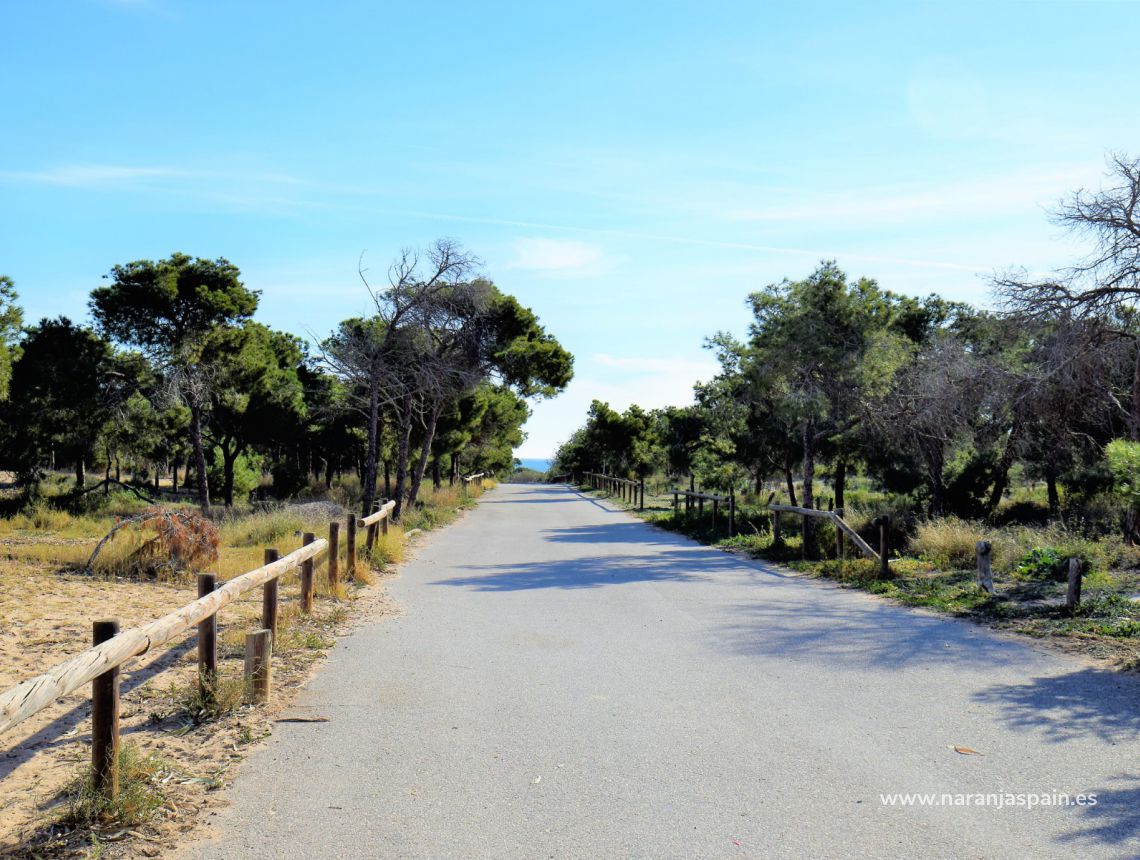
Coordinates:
column 567, row 682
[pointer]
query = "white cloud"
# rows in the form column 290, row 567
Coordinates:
column 561, row 256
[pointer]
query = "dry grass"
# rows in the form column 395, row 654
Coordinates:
column 948, row 543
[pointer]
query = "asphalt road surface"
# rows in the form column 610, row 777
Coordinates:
column 566, row 681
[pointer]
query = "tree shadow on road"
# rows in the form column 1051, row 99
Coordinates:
column 593, row 572
column 809, row 623
column 1114, row 820
column 1060, row 708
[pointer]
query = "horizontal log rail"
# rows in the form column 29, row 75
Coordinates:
column 30, row 697
column 842, row 528
column 381, row 513
column 632, row 492
column 700, row 498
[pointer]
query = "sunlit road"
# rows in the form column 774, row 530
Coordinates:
column 566, row 681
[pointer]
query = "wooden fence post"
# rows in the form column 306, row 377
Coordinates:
column 884, row 524
column 207, row 642
column 641, row 495
column 1073, row 595
column 259, row 665
column 334, row 557
column 370, row 537
column 269, row 596
column 105, row 719
column 350, row 546
column 715, row 511
column 307, row 577
column 839, row 537
column 676, row 503
column 985, row 550
column 776, row 536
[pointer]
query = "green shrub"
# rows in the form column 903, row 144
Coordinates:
column 1042, row 563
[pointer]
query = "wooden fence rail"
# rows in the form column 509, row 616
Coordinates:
column 100, row 664
column 376, row 522
column 631, row 492
column 841, row 529
column 692, row 496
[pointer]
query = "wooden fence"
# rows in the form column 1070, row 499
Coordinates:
column 841, row 529
column 694, row 499
column 112, row 648
column 631, row 492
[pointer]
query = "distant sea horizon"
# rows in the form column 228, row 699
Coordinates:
column 539, row 464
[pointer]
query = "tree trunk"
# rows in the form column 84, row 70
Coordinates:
column 791, row 482
column 436, row 473
column 199, row 457
column 330, row 471
column 425, row 453
column 174, row 475
column 80, row 474
column 840, row 483
column 454, row 468
column 229, row 458
column 387, row 478
column 809, row 488
column 373, row 450
column 1054, row 496
column 1134, row 407
column 1001, row 474
column 403, row 446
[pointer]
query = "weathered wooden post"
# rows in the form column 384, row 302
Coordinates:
column 838, row 536
column 350, row 547
column 105, row 719
column 884, row 524
column 1073, row 595
column 334, row 557
column 307, row 576
column 207, row 641
column 259, row 665
column 676, row 504
column 985, row 551
column 269, row 596
column 700, row 507
column 641, row 495
column 776, row 536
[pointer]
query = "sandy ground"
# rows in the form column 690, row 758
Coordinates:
column 46, row 618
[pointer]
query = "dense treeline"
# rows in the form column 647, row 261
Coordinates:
column 176, row 381
column 934, row 403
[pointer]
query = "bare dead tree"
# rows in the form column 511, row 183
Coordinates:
column 1096, row 296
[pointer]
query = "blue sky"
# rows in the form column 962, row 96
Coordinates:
column 631, row 171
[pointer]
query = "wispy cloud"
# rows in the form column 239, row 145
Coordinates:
column 562, row 256
column 95, row 175
column 1003, row 194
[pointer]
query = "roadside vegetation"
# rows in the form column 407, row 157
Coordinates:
column 177, row 435
column 182, row 745
column 1018, row 425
